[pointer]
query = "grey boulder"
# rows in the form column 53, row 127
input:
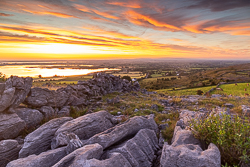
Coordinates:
column 10, row 126
column 88, row 125
column 22, row 88
column 6, row 98
column 45, row 159
column 40, row 140
column 8, row 151
column 31, row 117
column 123, row 131
column 64, row 112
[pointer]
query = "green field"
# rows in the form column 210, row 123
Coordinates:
column 181, row 92
column 233, row 89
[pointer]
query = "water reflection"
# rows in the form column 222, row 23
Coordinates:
column 34, row 71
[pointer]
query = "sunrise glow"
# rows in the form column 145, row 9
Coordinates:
column 67, row 29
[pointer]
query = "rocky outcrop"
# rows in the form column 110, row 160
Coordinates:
column 32, row 117
column 123, row 131
column 81, row 93
column 22, row 88
column 39, row 97
column 187, row 116
column 6, row 98
column 185, row 151
column 10, row 126
column 40, row 140
column 45, row 159
column 88, row 125
column 140, row 150
column 8, row 151
column 64, row 112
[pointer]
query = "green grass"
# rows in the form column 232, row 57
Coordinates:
column 233, row 89
column 181, row 92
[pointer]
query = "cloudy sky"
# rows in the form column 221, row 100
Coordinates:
column 89, row 29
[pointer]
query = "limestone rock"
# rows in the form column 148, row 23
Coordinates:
column 8, row 151
column 64, row 112
column 88, row 125
column 10, row 126
column 47, row 111
column 31, row 117
column 44, row 97
column 40, row 140
column 123, row 131
column 22, row 88
column 45, row 159
column 64, row 138
column 78, row 157
column 6, row 98
column 189, row 156
column 140, row 150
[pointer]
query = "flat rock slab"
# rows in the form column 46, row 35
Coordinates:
column 140, row 150
column 123, row 131
column 10, row 126
column 78, row 157
column 45, row 159
column 8, row 151
column 40, row 140
column 88, row 125
column 6, row 98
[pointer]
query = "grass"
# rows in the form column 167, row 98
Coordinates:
column 233, row 89
column 181, row 92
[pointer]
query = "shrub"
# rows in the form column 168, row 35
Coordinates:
column 127, row 78
column 200, row 92
column 231, row 135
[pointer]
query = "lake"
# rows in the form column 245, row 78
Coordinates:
column 35, row 70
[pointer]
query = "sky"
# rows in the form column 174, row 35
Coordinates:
column 106, row 29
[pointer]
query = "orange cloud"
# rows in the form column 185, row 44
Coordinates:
column 98, row 12
column 126, row 4
column 138, row 19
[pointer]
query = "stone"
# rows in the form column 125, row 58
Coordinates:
column 229, row 105
column 189, row 156
column 115, row 159
column 185, row 151
column 88, row 125
column 64, row 112
column 6, row 98
column 136, row 110
column 44, row 97
column 140, row 150
column 73, row 145
column 8, row 151
column 22, row 88
column 187, row 116
column 78, row 157
column 32, row 117
column 45, row 159
column 163, row 126
column 63, row 139
column 245, row 110
column 47, row 111
column 40, row 140
column 10, row 126
column 123, row 131
column 155, row 107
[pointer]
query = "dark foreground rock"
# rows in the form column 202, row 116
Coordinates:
column 40, row 140
column 8, row 151
column 45, row 159
column 10, row 126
